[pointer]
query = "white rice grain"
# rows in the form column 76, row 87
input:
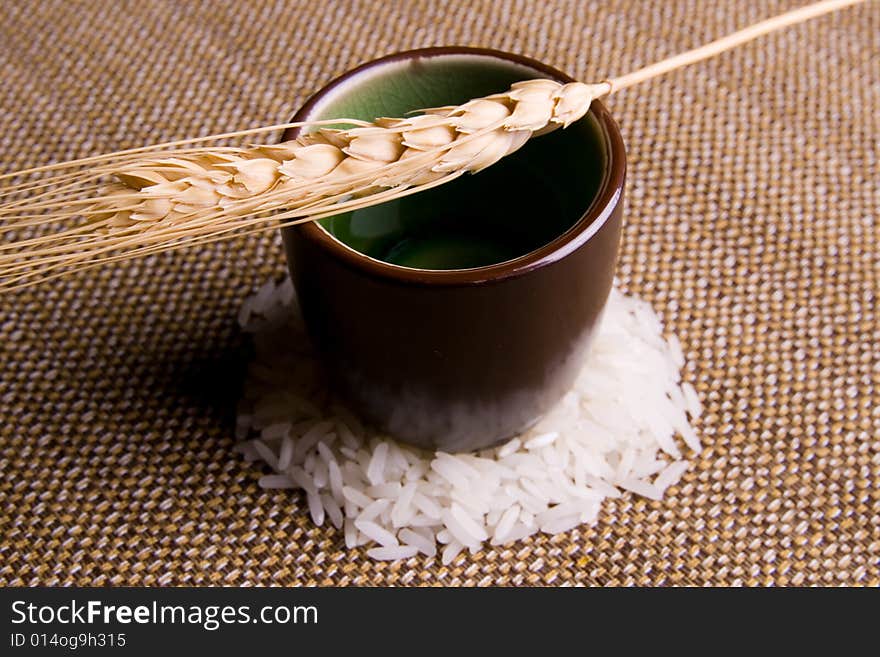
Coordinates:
column 319, row 474
column 450, row 472
column 690, row 437
column 692, row 399
column 332, row 508
column 642, row 488
column 266, row 453
column 347, row 437
column 316, row 509
column 374, row 532
column 302, row 479
column 450, row 552
column 502, row 529
column 374, row 510
column 427, row 506
column 509, row 448
column 390, row 490
column 541, row 441
column 403, row 507
column 334, row 476
column 392, row 553
column 310, row 438
column 670, row 475
column 675, row 351
column 560, row 525
column 518, row 532
column 356, row 497
column 285, row 453
column 275, row 431
column 350, row 533
column 377, row 464
column 421, row 520
column 426, row 546
column 276, row 481
column 472, row 527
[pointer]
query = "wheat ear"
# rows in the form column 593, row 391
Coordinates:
column 163, row 197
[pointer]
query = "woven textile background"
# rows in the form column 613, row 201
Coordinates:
column 752, row 227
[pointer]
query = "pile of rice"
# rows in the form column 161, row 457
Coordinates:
column 615, row 431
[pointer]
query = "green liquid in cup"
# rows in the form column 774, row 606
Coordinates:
column 517, row 205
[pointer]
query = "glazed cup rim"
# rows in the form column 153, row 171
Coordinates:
column 589, row 223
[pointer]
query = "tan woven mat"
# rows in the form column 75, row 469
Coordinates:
column 753, row 202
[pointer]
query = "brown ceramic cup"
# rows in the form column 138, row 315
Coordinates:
column 463, row 359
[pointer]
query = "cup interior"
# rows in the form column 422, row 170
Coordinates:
column 503, row 213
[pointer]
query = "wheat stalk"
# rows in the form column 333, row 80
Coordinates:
column 146, row 200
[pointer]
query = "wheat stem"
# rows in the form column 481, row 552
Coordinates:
column 175, row 194
column 728, row 42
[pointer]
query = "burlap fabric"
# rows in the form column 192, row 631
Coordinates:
column 751, row 227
